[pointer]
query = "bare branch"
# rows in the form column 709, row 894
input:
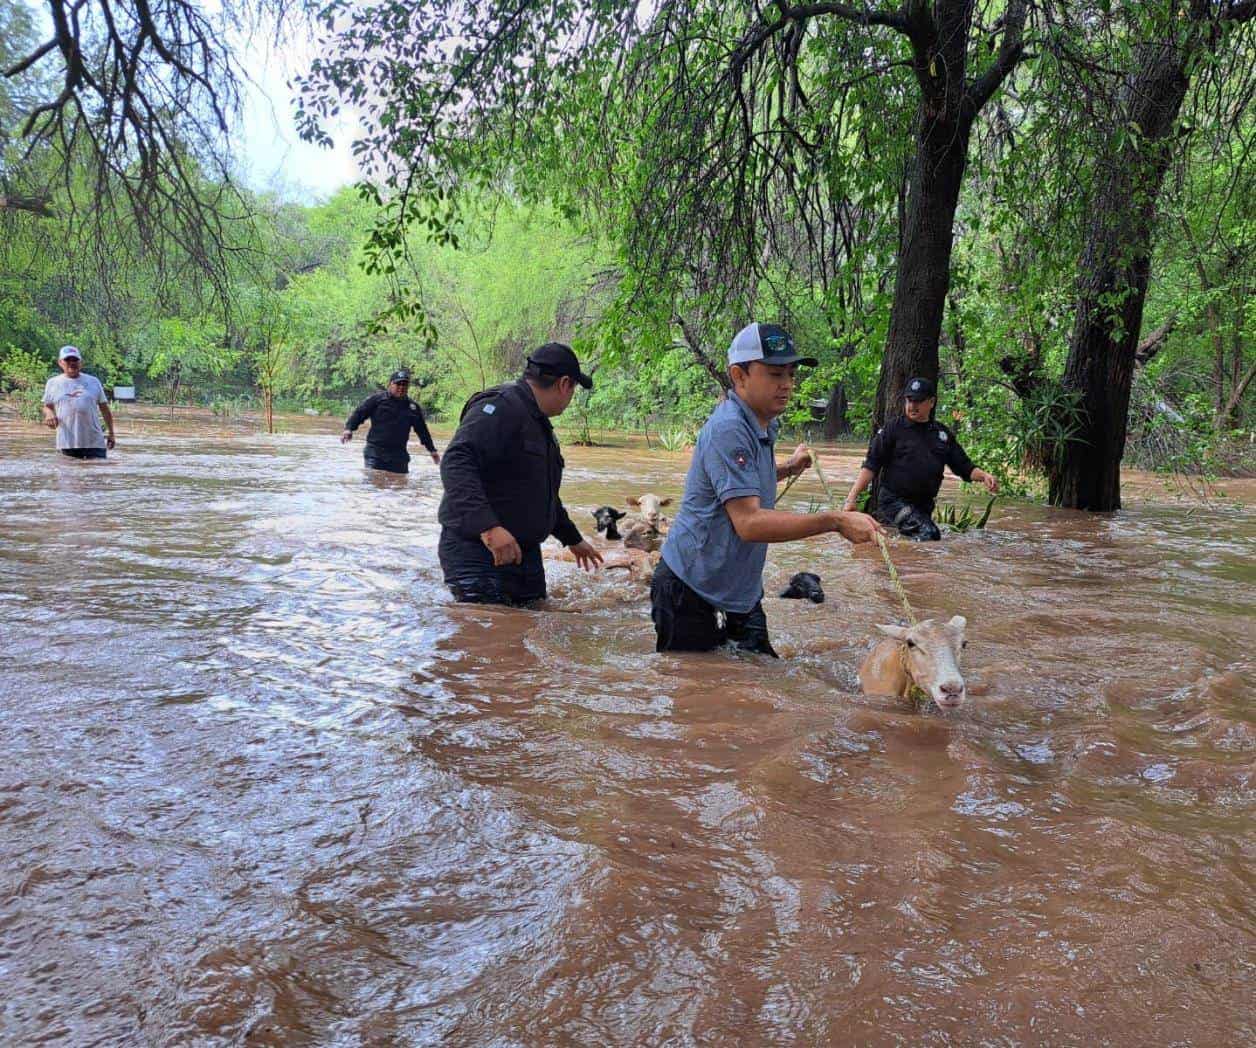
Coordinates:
column 32, row 205
column 1240, row 388
column 29, row 60
column 1011, row 51
column 789, row 17
column 1154, row 343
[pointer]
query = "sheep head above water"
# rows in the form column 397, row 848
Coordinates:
column 650, row 508
column 925, row 656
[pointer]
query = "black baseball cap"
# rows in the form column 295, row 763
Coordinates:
column 400, row 375
column 919, row 389
column 769, row 343
column 555, row 358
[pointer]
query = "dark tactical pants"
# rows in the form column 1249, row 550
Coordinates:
column 389, row 462
column 683, row 621
column 84, row 453
column 473, row 579
column 911, row 521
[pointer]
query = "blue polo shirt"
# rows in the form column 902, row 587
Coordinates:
column 734, row 457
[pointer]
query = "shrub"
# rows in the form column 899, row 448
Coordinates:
column 22, row 378
column 676, row 438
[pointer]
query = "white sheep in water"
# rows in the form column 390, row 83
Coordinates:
column 925, row 657
column 646, row 529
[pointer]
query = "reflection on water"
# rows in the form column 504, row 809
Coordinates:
column 262, row 782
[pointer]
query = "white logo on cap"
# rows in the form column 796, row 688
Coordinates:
column 489, row 408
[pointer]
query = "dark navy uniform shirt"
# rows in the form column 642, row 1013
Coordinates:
column 392, row 418
column 910, row 457
column 503, row 468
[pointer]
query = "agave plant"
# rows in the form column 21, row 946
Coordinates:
column 962, row 518
column 676, row 439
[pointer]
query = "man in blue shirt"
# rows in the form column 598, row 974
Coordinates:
column 713, row 558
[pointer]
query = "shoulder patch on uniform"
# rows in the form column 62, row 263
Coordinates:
column 741, row 456
column 489, row 408
column 942, row 435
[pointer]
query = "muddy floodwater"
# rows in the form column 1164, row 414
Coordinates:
column 262, row 783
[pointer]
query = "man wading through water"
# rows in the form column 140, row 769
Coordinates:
column 393, row 415
column 71, row 402
column 501, row 473
column 909, row 453
column 713, row 558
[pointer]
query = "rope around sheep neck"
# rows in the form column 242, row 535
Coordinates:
column 885, row 550
column 915, row 693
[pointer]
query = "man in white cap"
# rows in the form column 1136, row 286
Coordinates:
column 713, row 558
column 71, row 400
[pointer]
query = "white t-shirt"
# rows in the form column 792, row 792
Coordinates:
column 74, row 400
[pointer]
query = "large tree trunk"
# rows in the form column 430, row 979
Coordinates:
column 949, row 103
column 836, row 422
column 1086, row 472
column 924, row 261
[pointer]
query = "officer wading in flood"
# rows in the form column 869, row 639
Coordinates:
column 909, row 452
column 393, row 414
column 502, row 471
column 713, row 558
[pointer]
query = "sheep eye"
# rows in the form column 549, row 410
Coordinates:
column 963, row 644
column 911, row 643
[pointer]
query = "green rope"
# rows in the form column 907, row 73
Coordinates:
column 885, row 550
column 788, row 484
column 898, row 585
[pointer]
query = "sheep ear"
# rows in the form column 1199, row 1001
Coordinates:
column 666, row 502
column 897, row 632
column 633, row 502
column 618, row 513
column 958, row 622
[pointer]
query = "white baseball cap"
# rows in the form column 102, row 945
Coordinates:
column 69, row 351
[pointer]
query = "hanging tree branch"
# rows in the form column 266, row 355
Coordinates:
column 141, row 99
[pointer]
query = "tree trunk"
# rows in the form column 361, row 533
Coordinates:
column 940, row 35
column 1085, row 473
column 924, row 261
column 1213, row 315
column 1236, row 357
column 270, row 412
column 1239, row 381
column 836, row 424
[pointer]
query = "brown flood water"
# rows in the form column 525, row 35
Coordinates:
column 261, row 783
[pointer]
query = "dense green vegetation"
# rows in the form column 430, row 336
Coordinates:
column 1047, row 205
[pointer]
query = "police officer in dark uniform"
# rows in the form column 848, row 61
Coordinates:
column 909, row 452
column 501, row 473
column 393, row 414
